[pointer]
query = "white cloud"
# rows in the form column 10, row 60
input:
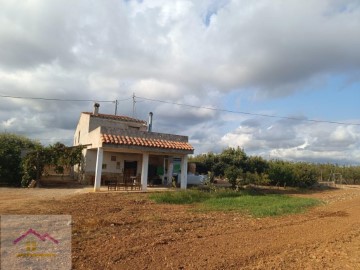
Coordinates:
column 298, row 140
column 192, row 52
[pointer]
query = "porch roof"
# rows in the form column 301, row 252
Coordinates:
column 152, row 143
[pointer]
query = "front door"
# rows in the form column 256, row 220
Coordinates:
column 130, row 168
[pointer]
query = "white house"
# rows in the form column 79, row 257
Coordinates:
column 121, row 147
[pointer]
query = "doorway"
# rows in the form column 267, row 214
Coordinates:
column 130, row 168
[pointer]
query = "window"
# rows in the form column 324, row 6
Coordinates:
column 104, row 166
column 118, row 165
column 113, row 158
column 79, row 137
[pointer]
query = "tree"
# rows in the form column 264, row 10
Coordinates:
column 256, row 164
column 281, row 173
column 234, row 156
column 232, row 173
column 57, row 155
column 12, row 147
column 34, row 163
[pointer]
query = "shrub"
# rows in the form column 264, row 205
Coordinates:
column 233, row 173
column 12, row 147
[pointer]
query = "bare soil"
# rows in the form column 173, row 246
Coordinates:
column 113, row 230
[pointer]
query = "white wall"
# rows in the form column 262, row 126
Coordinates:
column 90, row 160
column 111, row 166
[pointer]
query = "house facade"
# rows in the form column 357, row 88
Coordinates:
column 122, row 148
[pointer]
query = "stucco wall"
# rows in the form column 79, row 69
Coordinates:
column 115, row 124
column 82, row 130
column 88, row 129
column 110, row 170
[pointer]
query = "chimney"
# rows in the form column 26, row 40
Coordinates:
column 150, row 122
column 96, row 108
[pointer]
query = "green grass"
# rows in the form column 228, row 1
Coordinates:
column 260, row 206
column 250, row 202
column 180, row 197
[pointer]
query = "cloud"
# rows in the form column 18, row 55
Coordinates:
column 192, row 52
column 274, row 47
column 298, row 141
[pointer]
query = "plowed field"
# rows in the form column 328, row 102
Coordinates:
column 113, row 230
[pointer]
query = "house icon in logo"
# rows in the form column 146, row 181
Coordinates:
column 31, row 245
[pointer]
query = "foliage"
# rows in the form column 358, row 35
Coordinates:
column 255, row 164
column 34, row 163
column 57, row 155
column 256, row 178
column 11, row 148
column 62, row 156
column 281, row 173
column 233, row 173
column 256, row 170
column 286, row 173
column 305, row 175
column 217, row 163
column 210, row 176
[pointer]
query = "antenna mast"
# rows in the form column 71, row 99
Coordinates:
column 134, row 105
column 116, row 104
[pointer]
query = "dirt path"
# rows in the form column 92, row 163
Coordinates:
column 127, row 231
column 18, row 200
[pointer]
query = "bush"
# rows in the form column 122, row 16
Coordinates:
column 233, row 173
column 281, row 173
column 11, row 149
column 256, row 178
column 305, row 176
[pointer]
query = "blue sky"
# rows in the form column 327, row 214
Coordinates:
column 333, row 102
column 287, row 58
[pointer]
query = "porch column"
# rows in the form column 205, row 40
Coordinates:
column 98, row 169
column 184, row 171
column 170, row 171
column 144, row 171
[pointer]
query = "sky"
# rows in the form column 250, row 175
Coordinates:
column 279, row 79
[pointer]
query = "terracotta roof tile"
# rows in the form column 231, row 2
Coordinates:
column 156, row 143
column 116, row 117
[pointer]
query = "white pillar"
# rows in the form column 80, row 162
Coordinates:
column 170, row 171
column 184, row 171
column 98, row 169
column 144, row 171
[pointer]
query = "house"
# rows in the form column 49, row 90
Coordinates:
column 121, row 147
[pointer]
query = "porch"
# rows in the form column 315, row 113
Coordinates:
column 119, row 169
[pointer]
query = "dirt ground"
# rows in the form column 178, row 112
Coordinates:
column 113, row 230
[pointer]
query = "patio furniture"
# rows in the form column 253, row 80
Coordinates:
column 128, row 183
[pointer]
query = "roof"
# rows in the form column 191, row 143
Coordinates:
column 145, row 142
column 116, row 117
